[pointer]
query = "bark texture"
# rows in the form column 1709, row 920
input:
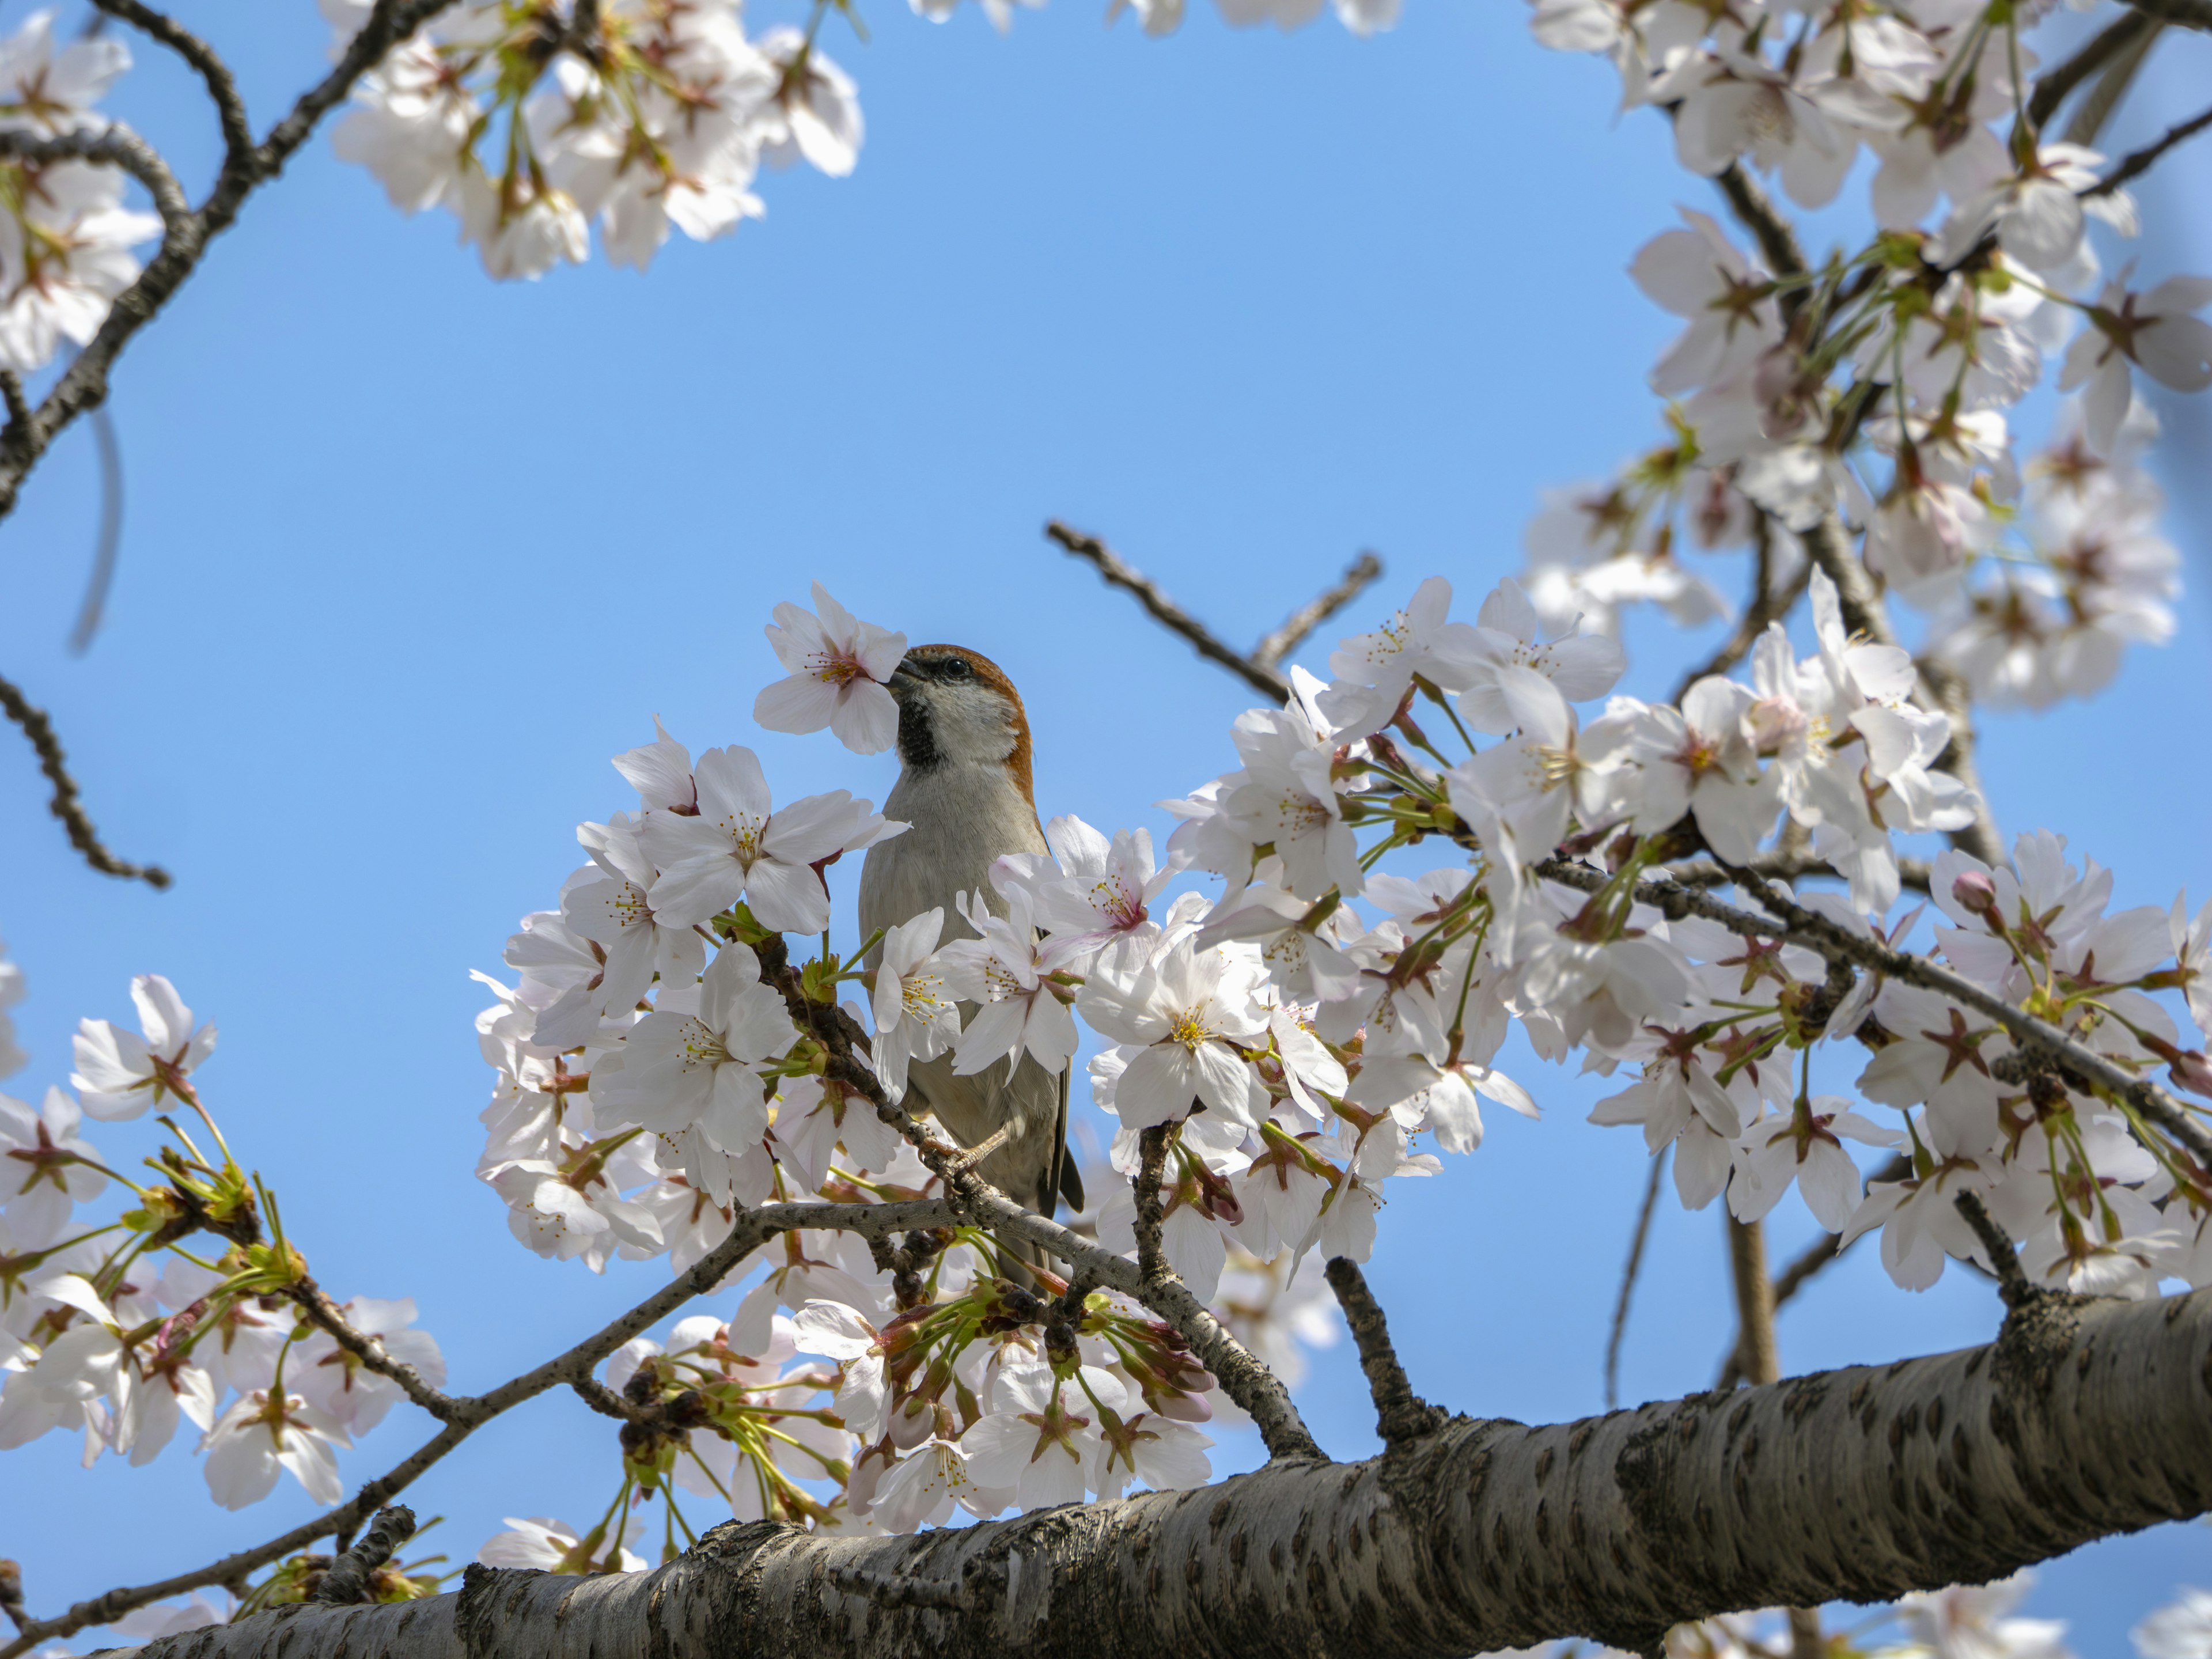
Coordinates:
column 2085, row 1420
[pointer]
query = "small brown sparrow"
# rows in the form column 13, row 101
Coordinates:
column 964, row 791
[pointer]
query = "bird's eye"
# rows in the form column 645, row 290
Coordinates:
column 958, row 669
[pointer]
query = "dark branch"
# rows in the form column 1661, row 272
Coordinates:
column 370, row 1350
column 1361, row 572
column 1151, row 1163
column 2055, row 84
column 347, row 1581
column 1768, row 605
column 115, row 146
column 64, row 806
column 1401, row 1416
column 2088, row 1419
column 1169, row 615
column 230, row 108
column 1628, row 1277
column 2013, row 1284
column 2190, row 14
column 1776, row 238
column 2138, row 162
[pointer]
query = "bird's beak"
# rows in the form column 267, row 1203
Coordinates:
column 902, row 680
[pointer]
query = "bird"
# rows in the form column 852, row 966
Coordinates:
column 965, row 793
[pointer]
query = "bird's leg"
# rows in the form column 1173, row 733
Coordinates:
column 983, row 1149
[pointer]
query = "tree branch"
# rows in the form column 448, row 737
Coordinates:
column 347, row 1581
column 2190, row 14
column 2084, row 1420
column 1357, row 575
column 1401, row 1417
column 64, row 806
column 2140, row 161
column 223, row 90
column 1754, row 1301
column 1783, row 866
column 1628, row 1277
column 369, row 1350
column 1166, row 612
column 2052, row 86
column 1798, row 926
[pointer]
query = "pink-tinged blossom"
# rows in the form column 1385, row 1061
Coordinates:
column 1804, row 1146
column 1699, row 276
column 678, row 1068
column 1089, row 893
column 1375, row 672
column 737, row 846
column 1184, row 1014
column 1509, row 634
column 917, row 1015
column 838, row 667
column 546, row 1545
column 1004, row 971
column 43, row 1168
column 120, row 1073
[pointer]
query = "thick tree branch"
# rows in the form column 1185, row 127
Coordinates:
column 2084, row 1420
column 1401, row 1417
column 1359, row 575
column 64, row 806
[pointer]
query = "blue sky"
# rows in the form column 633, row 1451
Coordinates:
column 408, row 555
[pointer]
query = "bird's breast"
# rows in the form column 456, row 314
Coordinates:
column 962, row 820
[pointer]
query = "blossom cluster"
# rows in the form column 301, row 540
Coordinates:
column 528, row 122
column 65, row 236
column 1872, row 390
column 122, row 1332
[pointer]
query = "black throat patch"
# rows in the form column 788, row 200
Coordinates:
column 917, row 741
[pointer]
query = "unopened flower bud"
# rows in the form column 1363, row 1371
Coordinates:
column 2192, row 1071
column 1975, row 892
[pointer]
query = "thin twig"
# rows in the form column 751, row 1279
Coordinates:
column 1795, row 925
column 2103, row 100
column 346, row 1582
column 1361, row 572
column 2052, row 86
column 223, row 89
column 2138, row 162
column 1401, row 1416
column 369, row 1350
column 1778, row 239
column 1784, row 866
column 114, row 145
column 1628, row 1276
column 1151, row 1163
column 109, row 541
column 64, row 806
column 1166, row 612
column 2013, row 1283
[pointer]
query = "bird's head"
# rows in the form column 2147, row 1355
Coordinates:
column 957, row 709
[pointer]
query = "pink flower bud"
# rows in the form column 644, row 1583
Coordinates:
column 2192, row 1071
column 1975, row 892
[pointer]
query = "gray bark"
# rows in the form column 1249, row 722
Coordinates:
column 2085, row 1420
